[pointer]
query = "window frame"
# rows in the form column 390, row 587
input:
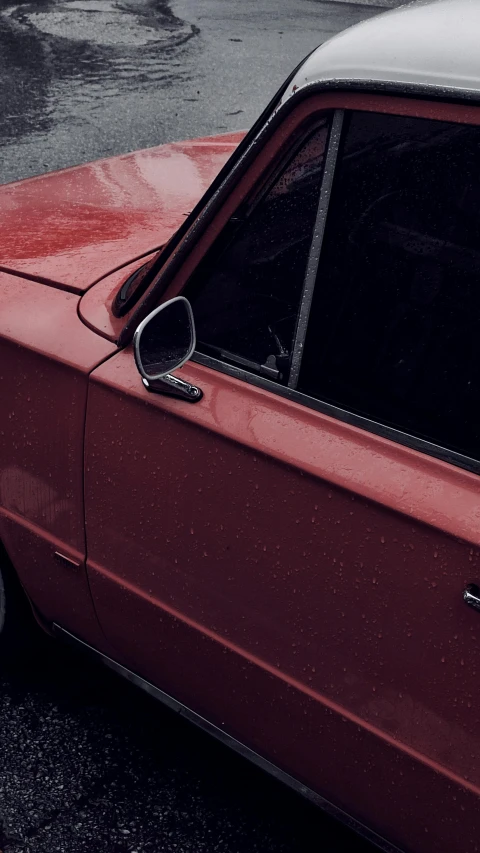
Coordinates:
column 389, row 105
column 256, row 196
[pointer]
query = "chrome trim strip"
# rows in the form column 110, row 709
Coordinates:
column 66, row 560
column 372, row 86
column 232, row 743
column 471, row 596
column 419, row 444
column 316, row 246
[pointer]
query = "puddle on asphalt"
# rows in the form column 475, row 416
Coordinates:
column 106, row 22
column 61, row 56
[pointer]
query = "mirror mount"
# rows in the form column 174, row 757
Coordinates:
column 174, row 387
column 163, row 342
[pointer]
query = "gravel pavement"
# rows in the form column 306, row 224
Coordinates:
column 91, row 764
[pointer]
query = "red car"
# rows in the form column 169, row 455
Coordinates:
column 279, row 540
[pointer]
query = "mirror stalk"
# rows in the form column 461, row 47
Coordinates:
column 174, row 387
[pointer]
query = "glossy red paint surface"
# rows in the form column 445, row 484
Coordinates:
column 46, row 354
column 326, row 563
column 95, row 306
column 75, row 226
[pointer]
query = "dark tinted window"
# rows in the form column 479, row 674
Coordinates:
column 245, row 295
column 394, row 332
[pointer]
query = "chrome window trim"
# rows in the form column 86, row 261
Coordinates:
column 399, row 437
column 333, row 147
column 371, row 86
column 231, row 742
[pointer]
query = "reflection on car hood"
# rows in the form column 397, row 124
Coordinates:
column 71, row 228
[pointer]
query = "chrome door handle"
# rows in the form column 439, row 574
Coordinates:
column 471, row 596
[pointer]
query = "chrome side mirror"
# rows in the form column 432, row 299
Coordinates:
column 163, row 342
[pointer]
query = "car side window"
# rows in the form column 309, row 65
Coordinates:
column 246, row 293
column 394, row 330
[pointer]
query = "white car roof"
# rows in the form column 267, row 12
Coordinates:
column 427, row 44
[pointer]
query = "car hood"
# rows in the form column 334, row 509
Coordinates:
column 71, row 228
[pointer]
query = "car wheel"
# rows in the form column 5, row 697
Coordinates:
column 17, row 623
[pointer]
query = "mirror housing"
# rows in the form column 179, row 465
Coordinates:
column 163, row 342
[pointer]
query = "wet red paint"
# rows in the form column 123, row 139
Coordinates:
column 95, row 306
column 75, row 226
column 251, row 527
column 46, row 354
column 294, row 579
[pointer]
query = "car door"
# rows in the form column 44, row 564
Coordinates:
column 288, row 556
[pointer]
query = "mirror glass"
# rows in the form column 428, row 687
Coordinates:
column 166, row 339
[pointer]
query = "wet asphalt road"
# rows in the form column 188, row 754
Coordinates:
column 91, row 764
column 86, row 762
column 81, row 79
